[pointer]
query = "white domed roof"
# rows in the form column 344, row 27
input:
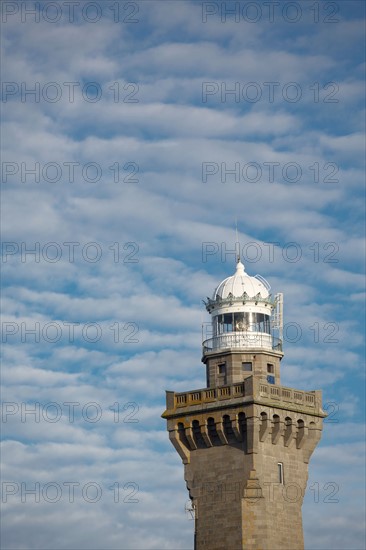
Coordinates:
column 241, row 282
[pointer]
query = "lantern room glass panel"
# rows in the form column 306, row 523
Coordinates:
column 242, row 321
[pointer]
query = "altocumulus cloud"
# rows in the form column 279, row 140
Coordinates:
column 138, row 191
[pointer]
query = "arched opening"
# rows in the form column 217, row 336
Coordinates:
column 228, row 429
column 276, row 426
column 300, row 433
column 197, row 436
column 212, row 433
column 242, row 422
column 288, row 430
column 312, row 430
column 264, row 426
column 182, row 435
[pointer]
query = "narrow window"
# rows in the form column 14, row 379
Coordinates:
column 247, row 367
column 270, row 368
column 280, row 473
column 222, row 369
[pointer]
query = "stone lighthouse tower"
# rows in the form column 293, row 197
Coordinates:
column 245, row 440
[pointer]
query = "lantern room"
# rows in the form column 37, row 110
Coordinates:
column 246, row 320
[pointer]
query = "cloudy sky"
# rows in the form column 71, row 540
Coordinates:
column 134, row 135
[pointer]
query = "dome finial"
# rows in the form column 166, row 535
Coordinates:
column 240, row 268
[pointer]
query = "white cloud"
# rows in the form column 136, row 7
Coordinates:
column 168, row 215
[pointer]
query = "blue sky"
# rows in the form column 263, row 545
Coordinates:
column 133, row 130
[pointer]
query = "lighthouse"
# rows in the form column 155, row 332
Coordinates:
column 245, row 440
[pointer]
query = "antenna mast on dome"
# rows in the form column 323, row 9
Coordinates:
column 237, row 241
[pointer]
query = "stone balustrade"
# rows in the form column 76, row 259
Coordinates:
column 265, row 393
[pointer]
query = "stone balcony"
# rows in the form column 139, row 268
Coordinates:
column 251, row 390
